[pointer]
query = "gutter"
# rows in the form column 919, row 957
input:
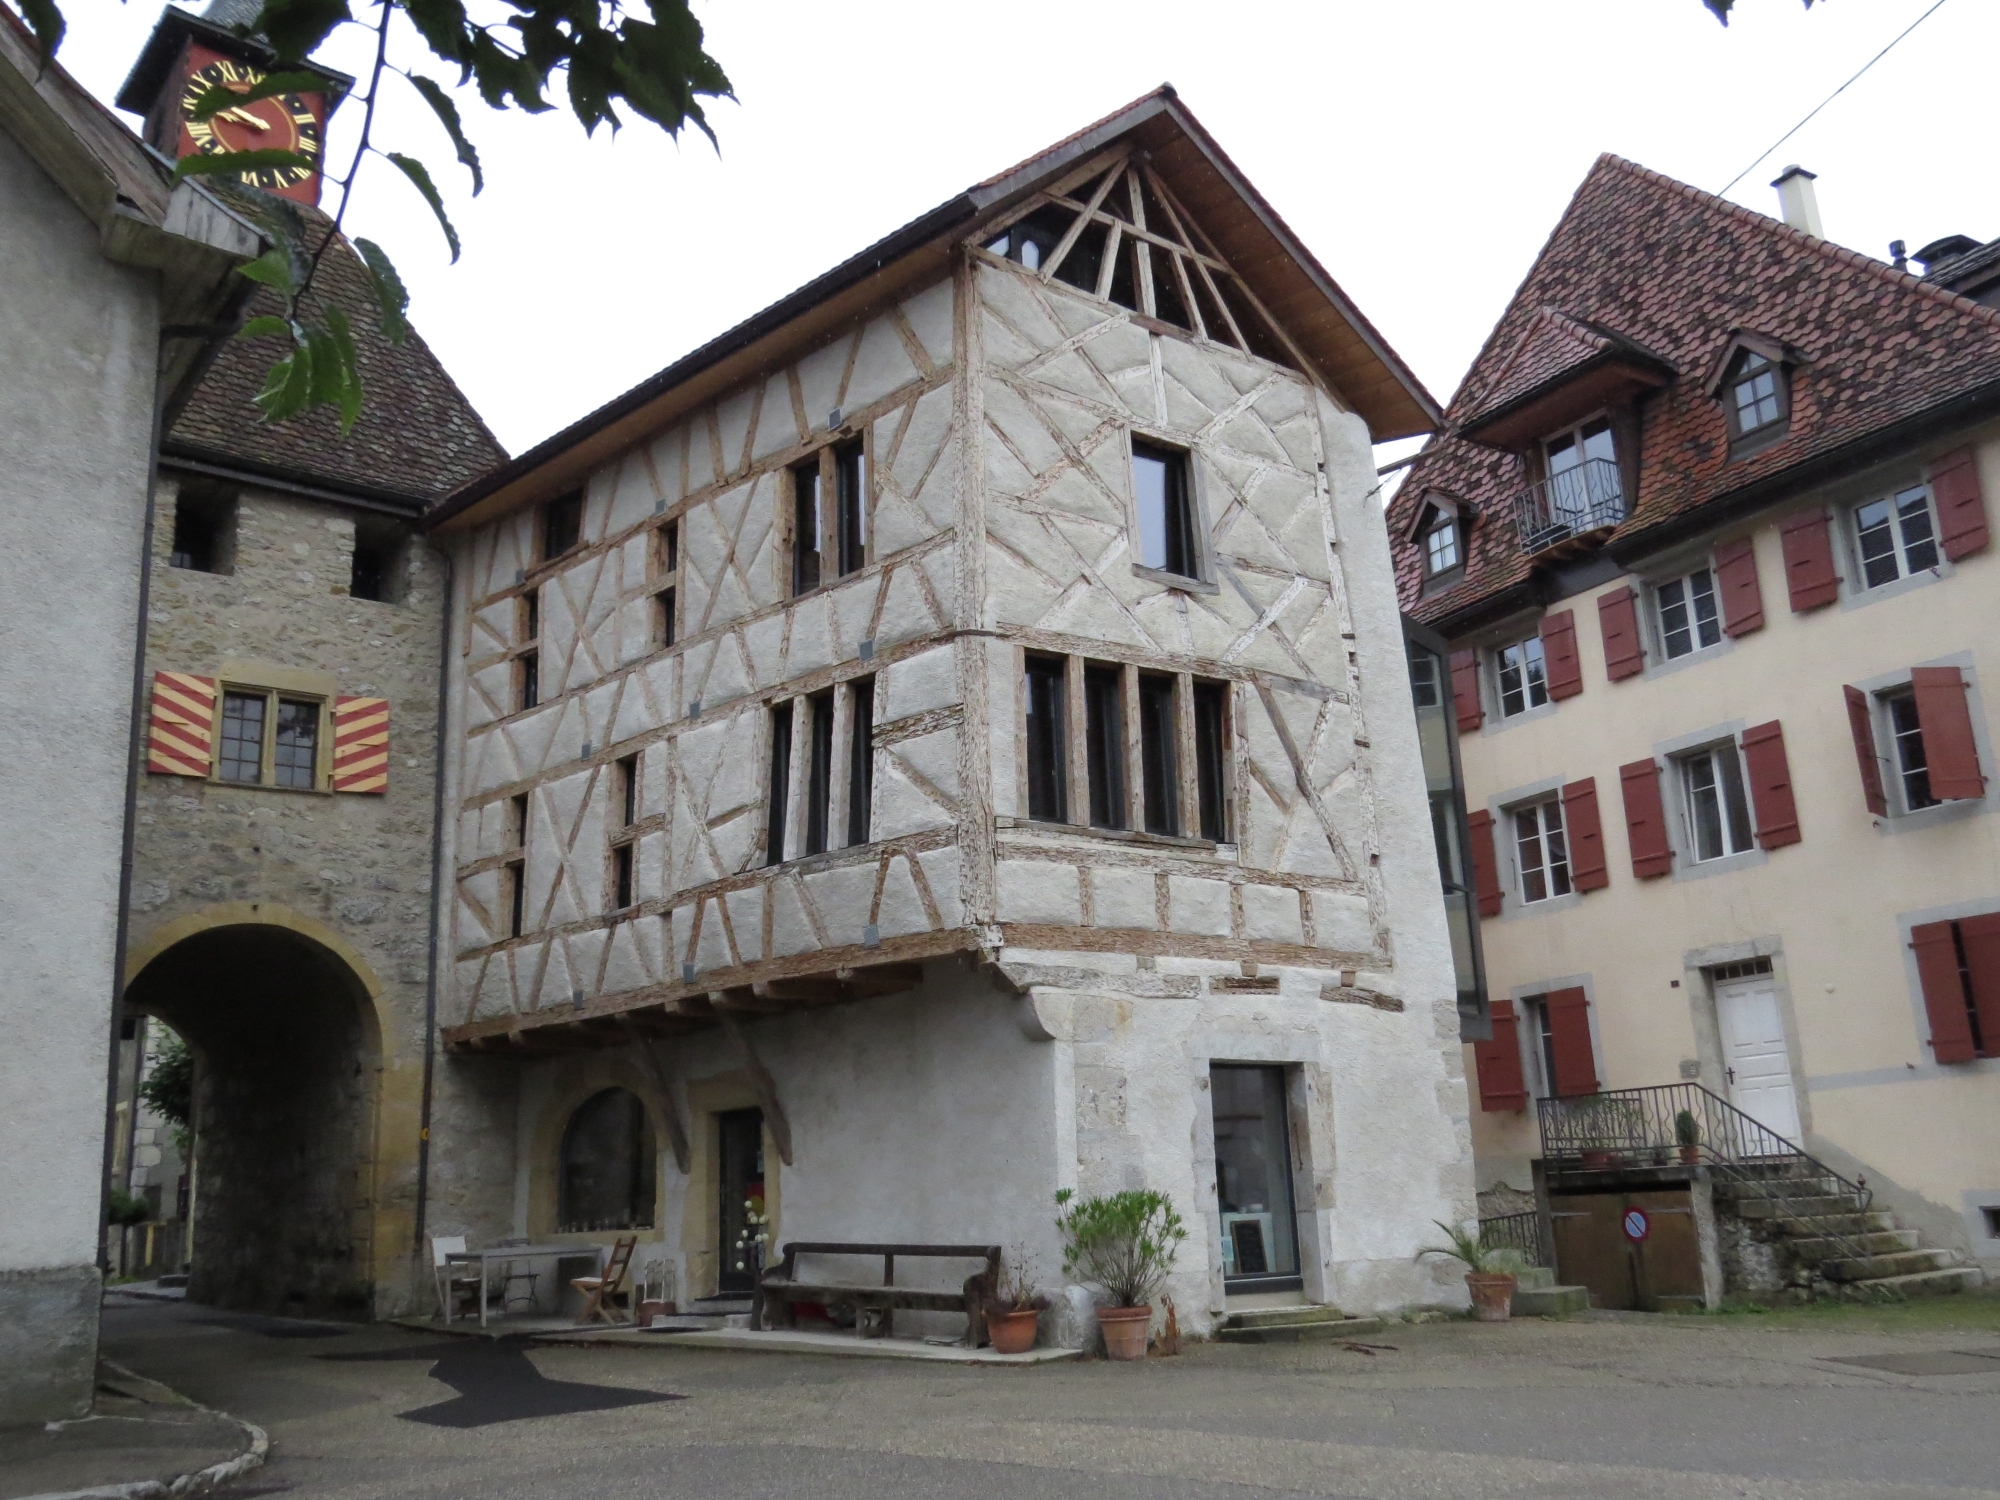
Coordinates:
column 190, row 460
column 437, row 868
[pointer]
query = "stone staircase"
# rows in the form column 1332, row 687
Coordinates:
column 1291, row 1325
column 1536, row 1295
column 1800, row 1235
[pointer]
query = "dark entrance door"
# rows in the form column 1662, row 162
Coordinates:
column 741, row 1134
column 1253, row 1177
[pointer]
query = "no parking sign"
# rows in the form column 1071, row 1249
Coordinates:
column 1636, row 1225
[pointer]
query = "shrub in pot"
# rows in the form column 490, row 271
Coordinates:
column 1015, row 1311
column 1126, row 1244
column 1489, row 1271
column 1687, row 1132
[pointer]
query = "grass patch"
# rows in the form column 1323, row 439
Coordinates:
column 1970, row 1312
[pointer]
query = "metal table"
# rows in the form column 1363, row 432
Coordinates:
column 558, row 1253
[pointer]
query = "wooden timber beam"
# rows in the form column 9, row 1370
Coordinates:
column 765, row 1086
column 670, row 1109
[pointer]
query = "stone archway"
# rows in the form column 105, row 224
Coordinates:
column 287, row 1046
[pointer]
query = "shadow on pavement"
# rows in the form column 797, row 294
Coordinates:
column 497, row 1382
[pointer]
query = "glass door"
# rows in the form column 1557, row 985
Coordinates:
column 740, row 1134
column 1253, row 1177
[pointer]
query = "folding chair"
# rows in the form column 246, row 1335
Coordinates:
column 454, row 1282
column 600, row 1290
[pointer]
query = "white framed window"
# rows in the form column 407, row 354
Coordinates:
column 1715, row 808
column 1522, row 671
column 1688, row 615
column 1895, row 536
column 1441, row 546
column 1908, row 760
column 1541, row 851
column 1756, row 395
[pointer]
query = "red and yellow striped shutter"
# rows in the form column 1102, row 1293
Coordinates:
column 361, row 744
column 181, row 738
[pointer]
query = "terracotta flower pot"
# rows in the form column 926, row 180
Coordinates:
column 1012, row 1332
column 1690, row 1156
column 1598, row 1159
column 1492, row 1295
column 1125, row 1331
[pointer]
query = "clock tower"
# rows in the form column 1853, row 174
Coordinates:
column 188, row 54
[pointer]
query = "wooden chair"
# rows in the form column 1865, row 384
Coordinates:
column 602, row 1289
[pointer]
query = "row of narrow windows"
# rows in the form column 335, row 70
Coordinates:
column 205, row 536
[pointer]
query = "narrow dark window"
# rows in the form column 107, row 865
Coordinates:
column 663, row 617
column 670, row 547
column 1104, row 744
column 1211, row 758
column 628, row 791
column 204, row 525
column 667, row 557
column 517, row 821
column 621, row 876
column 530, row 670
column 297, row 748
column 805, row 527
column 819, row 773
column 861, row 761
column 242, row 737
column 781, row 780
column 1166, row 509
column 531, row 615
column 850, row 468
column 1048, row 766
column 517, row 897
column 562, row 525
column 374, row 572
column 1158, row 761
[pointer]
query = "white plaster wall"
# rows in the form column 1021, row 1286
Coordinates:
column 76, row 398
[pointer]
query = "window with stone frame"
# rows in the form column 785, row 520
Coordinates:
column 606, row 1176
column 1521, row 676
column 1541, row 851
column 1715, row 808
column 204, row 528
column 1909, row 761
column 1687, row 613
column 270, row 738
column 1895, row 536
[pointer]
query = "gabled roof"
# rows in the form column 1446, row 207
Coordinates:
column 1287, row 280
column 1554, row 352
column 1680, row 272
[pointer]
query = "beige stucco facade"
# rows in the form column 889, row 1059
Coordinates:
column 1831, row 913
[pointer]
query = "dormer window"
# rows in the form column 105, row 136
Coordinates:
column 1754, row 403
column 1441, row 552
column 1753, row 383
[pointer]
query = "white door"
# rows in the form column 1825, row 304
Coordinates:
column 1759, row 1071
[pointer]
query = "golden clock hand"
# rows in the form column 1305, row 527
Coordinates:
column 244, row 117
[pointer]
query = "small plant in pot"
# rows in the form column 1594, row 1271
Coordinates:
column 1489, row 1272
column 1012, row 1315
column 1687, row 1132
column 1125, row 1243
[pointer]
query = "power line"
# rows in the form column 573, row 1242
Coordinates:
column 1831, row 97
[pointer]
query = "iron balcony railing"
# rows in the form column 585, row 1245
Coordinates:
column 1576, row 502
column 1522, row 1232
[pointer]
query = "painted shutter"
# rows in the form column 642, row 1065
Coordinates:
column 1949, row 749
column 1980, row 937
column 1569, row 1040
column 1771, row 785
column 1736, row 579
column 1646, row 819
column 1585, row 827
column 1618, row 620
column 1944, row 992
column 361, row 744
column 1809, row 574
column 1961, row 508
column 1502, row 1084
column 180, row 741
column 1485, row 868
column 1465, row 690
column 1861, row 724
column 1559, row 651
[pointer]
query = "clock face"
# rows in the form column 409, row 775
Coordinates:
column 282, row 123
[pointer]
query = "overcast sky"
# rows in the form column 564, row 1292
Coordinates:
column 1422, row 148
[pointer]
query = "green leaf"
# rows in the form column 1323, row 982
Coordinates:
column 272, row 268
column 442, row 25
column 415, row 171
column 236, row 163
column 295, row 27
column 349, row 389
column 265, row 327
column 286, row 387
column 447, row 114
column 46, row 21
column 217, row 97
column 389, row 291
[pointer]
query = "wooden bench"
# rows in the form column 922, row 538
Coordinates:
column 875, row 1305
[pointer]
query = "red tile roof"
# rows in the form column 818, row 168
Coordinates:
column 1678, row 271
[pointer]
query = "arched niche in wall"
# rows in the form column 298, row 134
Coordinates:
column 607, row 1165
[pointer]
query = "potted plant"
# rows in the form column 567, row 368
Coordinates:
column 1489, row 1271
column 1125, row 1243
column 1687, row 1131
column 1016, row 1308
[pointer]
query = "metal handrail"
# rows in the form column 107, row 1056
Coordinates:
column 1522, row 1232
column 1582, row 499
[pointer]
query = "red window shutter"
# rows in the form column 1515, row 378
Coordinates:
column 1585, row 828
column 1569, row 1040
column 1771, row 785
column 361, row 744
column 1502, row 1085
column 1961, row 508
column 1949, row 749
column 180, row 740
column 1465, row 690
column 1944, row 992
column 1485, row 868
column 1736, row 578
column 1861, row 724
column 1646, row 819
column 1618, row 620
column 1809, row 573
column 1980, row 937
column 1559, row 651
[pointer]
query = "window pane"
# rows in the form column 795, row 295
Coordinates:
column 1735, row 806
column 1157, row 754
column 1253, row 1171
column 531, row 679
column 1704, row 807
column 1912, row 764
column 819, row 772
column 1565, row 453
column 562, row 525
column 242, row 737
column 1513, row 695
column 1676, row 631
column 861, row 761
column 1701, row 596
column 1104, row 736
column 1047, row 764
column 805, row 527
column 1877, row 542
column 1441, row 544
column 1913, row 517
column 1166, row 514
column 1535, row 672
column 1426, row 677
column 1211, row 740
column 851, row 466
column 1528, row 844
column 781, row 780
column 1557, row 846
column 298, row 742
column 607, row 1177
column 1597, row 440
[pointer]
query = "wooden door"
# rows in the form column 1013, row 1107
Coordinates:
column 740, row 1138
column 1756, row 1061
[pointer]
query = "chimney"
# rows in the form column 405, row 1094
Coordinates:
column 1796, row 201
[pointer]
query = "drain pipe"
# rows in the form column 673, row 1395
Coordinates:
column 437, row 868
